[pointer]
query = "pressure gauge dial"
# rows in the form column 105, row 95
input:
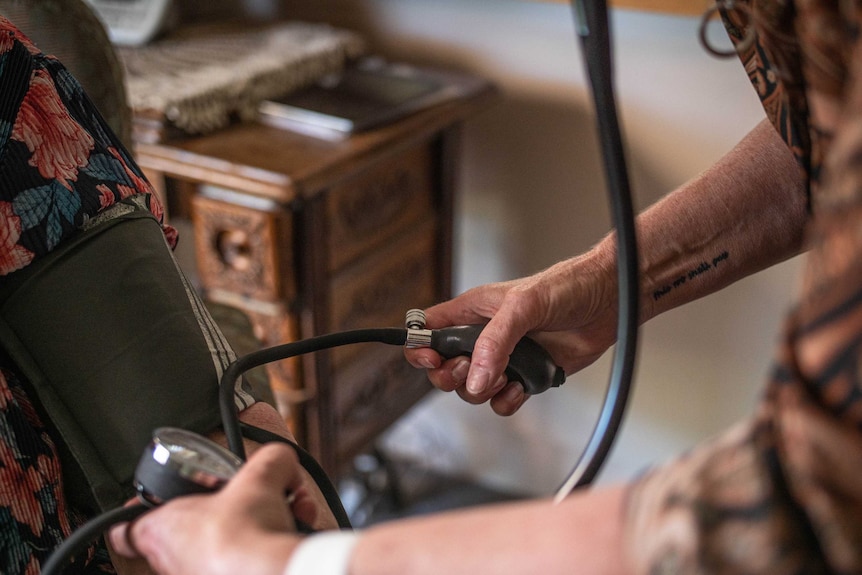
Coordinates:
column 180, row 462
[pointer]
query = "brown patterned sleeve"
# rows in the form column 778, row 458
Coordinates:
column 782, row 493
column 723, row 508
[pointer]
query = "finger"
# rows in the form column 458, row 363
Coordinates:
column 453, row 312
column 474, row 306
column 121, row 541
column 120, row 536
column 262, row 484
column 509, row 399
column 423, row 358
column 306, row 509
column 274, row 468
column 490, row 357
column 476, row 399
column 451, row 374
column 497, row 341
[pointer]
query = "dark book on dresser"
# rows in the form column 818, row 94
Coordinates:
column 365, row 96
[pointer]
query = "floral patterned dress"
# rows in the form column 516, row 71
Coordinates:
column 781, row 493
column 60, row 165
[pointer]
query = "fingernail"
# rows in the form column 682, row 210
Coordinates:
column 460, row 371
column 426, row 363
column 478, row 383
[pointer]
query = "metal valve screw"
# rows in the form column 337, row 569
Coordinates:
column 415, row 319
column 417, row 335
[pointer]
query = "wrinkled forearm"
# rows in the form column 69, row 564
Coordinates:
column 583, row 534
column 740, row 216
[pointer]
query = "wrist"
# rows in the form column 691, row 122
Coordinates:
column 324, row 553
column 272, row 551
column 605, row 257
column 599, row 267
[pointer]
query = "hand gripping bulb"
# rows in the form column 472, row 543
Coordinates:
column 530, row 364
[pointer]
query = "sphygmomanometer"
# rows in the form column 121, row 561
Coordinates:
column 147, row 340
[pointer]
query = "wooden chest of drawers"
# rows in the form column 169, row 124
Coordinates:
column 308, row 237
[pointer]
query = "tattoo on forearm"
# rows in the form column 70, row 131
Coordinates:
column 701, row 268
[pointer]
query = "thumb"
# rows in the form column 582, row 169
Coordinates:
column 272, row 469
column 494, row 346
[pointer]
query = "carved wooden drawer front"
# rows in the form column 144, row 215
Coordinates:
column 243, row 250
column 371, row 394
column 372, row 205
column 379, row 289
column 365, row 294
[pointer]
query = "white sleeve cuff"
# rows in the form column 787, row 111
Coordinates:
column 324, row 553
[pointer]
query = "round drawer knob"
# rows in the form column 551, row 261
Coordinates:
column 234, row 249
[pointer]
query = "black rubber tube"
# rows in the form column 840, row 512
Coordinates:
column 591, row 17
column 229, row 413
column 82, row 537
column 234, row 430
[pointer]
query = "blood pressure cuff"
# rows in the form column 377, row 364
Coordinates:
column 114, row 343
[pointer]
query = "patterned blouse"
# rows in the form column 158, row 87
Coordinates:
column 782, row 492
column 60, row 165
